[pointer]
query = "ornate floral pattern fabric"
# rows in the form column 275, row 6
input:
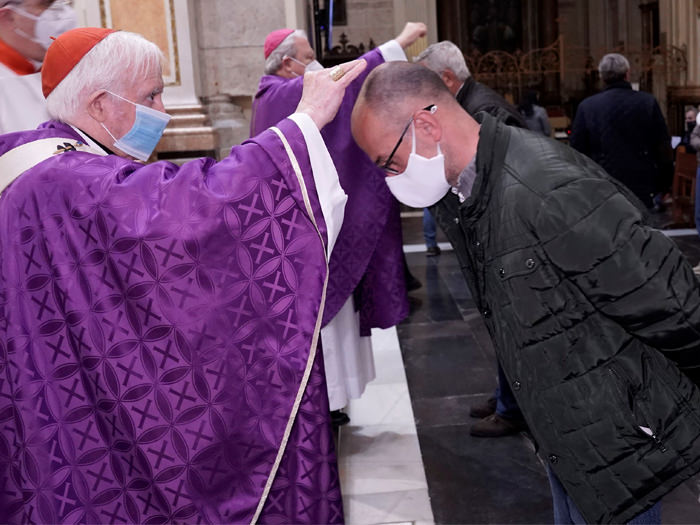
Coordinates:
column 369, row 246
column 155, row 327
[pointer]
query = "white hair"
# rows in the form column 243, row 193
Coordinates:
column 287, row 47
column 442, row 56
column 613, row 67
column 120, row 59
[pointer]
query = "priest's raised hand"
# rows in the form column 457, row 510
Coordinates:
column 411, row 32
column 324, row 90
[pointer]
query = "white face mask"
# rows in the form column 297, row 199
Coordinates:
column 314, row 65
column 53, row 22
column 423, row 183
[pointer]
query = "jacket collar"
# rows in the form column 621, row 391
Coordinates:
column 622, row 84
column 490, row 155
column 463, row 92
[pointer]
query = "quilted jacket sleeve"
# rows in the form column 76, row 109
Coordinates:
column 634, row 275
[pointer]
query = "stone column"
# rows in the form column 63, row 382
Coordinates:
column 230, row 120
column 229, row 49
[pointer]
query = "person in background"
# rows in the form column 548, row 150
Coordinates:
column 447, row 60
column 691, row 115
column 535, row 115
column 368, row 281
column 158, row 323
column 594, row 316
column 625, row 132
column 499, row 415
column 430, row 234
column 26, row 28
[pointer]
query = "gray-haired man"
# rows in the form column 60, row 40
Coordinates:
column 447, row 60
column 625, row 132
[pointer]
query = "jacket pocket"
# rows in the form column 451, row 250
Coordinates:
column 634, row 406
column 528, row 285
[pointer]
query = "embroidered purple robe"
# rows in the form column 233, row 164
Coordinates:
column 367, row 259
column 157, row 324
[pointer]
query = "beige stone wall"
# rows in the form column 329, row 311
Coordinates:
column 229, row 44
column 367, row 19
column 229, row 48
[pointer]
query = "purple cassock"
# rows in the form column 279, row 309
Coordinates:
column 367, row 259
column 158, row 328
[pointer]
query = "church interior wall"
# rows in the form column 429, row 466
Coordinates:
column 367, row 19
column 225, row 38
column 229, row 48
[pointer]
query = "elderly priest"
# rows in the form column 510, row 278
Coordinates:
column 158, row 324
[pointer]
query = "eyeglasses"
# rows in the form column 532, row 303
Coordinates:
column 385, row 166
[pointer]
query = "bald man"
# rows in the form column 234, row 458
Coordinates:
column 595, row 318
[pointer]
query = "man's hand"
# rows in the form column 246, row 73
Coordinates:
column 412, row 31
column 322, row 95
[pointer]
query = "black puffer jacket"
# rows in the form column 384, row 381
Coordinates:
column 476, row 97
column 595, row 319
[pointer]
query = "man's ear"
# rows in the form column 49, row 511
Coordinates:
column 449, row 78
column 287, row 64
column 97, row 105
column 426, row 123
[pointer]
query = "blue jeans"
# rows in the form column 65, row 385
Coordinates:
column 565, row 512
column 429, row 229
column 506, row 405
column 697, row 201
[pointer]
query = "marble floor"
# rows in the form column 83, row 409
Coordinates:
column 407, row 456
column 381, row 470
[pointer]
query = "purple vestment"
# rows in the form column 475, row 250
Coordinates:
column 156, row 325
column 367, row 259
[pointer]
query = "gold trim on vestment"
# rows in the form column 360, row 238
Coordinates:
column 314, row 339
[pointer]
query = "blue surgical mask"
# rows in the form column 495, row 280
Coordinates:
column 144, row 135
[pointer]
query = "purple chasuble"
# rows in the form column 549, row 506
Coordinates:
column 157, row 324
column 367, row 259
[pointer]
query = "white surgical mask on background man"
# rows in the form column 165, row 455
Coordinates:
column 314, row 65
column 58, row 18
